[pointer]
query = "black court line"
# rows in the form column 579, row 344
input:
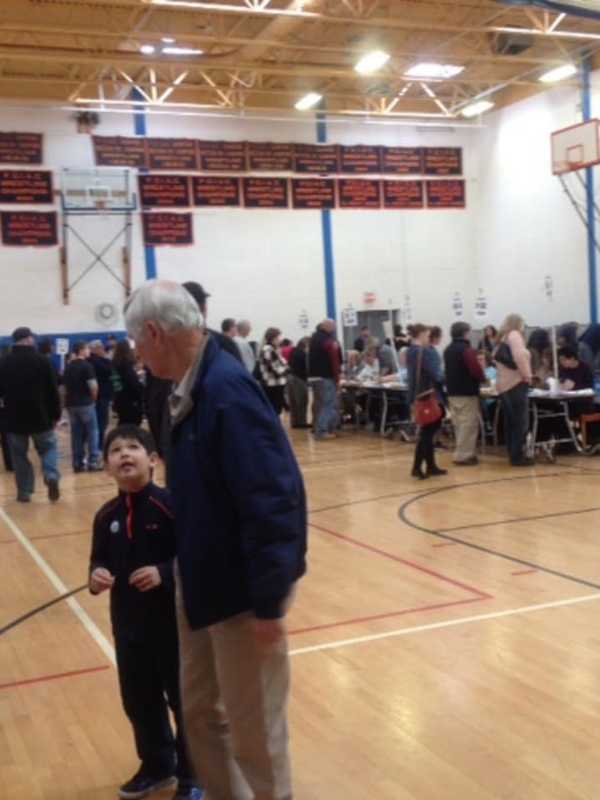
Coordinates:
column 519, row 519
column 396, row 495
column 402, row 513
column 38, row 609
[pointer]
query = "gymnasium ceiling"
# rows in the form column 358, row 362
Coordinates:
column 256, row 59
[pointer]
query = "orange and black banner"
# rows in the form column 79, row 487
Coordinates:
column 403, row 194
column 167, row 191
column 359, row 193
column 165, row 228
column 317, row 193
column 265, row 192
column 446, row 194
column 172, row 154
column 20, row 148
column 120, row 151
column 26, row 186
column 29, row 229
column 216, row 191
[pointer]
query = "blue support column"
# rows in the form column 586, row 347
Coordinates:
column 586, row 69
column 139, row 122
column 328, row 260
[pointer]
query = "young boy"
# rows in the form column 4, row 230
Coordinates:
column 132, row 555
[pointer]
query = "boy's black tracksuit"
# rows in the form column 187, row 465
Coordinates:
column 132, row 531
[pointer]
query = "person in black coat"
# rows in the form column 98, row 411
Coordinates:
column 31, row 408
column 127, row 387
column 298, row 384
column 103, row 368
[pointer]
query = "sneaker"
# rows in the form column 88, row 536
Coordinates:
column 23, row 498
column 141, row 785
column 470, row 462
column 188, row 793
column 53, row 491
column 437, row 471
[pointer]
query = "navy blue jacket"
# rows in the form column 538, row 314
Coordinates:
column 238, row 496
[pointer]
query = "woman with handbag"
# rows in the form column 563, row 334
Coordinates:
column 424, row 393
column 513, row 362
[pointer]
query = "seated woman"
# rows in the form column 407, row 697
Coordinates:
column 575, row 375
column 370, row 367
column 540, row 347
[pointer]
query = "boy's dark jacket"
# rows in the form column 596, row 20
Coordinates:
column 238, row 497
column 132, row 531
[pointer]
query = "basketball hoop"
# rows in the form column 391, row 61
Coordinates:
column 576, row 147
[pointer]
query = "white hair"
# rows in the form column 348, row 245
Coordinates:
column 165, row 303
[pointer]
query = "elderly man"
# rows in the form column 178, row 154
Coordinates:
column 241, row 520
column 244, row 346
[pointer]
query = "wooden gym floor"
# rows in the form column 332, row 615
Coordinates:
column 446, row 643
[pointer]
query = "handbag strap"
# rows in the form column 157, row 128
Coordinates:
column 418, row 372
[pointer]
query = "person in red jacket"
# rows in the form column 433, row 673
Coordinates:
column 464, row 376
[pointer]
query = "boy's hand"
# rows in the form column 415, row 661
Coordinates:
column 145, row 578
column 101, row 580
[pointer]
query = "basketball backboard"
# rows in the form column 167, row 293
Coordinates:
column 576, row 147
column 97, row 190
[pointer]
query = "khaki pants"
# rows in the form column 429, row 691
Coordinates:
column 234, row 701
column 465, row 419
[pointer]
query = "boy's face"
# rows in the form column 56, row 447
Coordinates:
column 129, row 463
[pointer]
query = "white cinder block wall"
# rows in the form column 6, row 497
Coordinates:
column 267, row 265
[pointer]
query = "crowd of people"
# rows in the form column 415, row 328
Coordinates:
column 202, row 573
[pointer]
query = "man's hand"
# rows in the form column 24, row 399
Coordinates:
column 145, row 578
column 101, row 580
column 268, row 632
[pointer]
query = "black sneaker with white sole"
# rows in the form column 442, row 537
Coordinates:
column 141, row 785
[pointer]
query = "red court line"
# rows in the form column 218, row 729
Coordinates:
column 58, row 676
column 418, row 567
column 389, row 615
column 524, row 572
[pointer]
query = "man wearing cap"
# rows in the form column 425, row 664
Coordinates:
column 29, row 394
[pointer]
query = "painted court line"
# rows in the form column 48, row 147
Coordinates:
column 44, row 678
column 440, row 625
column 60, row 587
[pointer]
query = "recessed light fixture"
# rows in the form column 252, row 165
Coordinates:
column 147, row 49
column 430, row 69
column 182, row 51
column 480, row 107
column 308, row 101
column 233, row 9
column 371, row 62
column 559, row 74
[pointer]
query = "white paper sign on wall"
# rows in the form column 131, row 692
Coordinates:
column 481, row 306
column 457, row 305
column 303, row 320
column 349, row 317
column 407, row 309
column 62, row 346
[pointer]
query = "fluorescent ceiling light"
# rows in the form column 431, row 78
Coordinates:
column 550, row 33
column 168, row 40
column 226, row 7
column 181, row 51
column 371, row 62
column 477, row 108
column 559, row 74
column 147, row 49
column 308, row 101
column 428, row 69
